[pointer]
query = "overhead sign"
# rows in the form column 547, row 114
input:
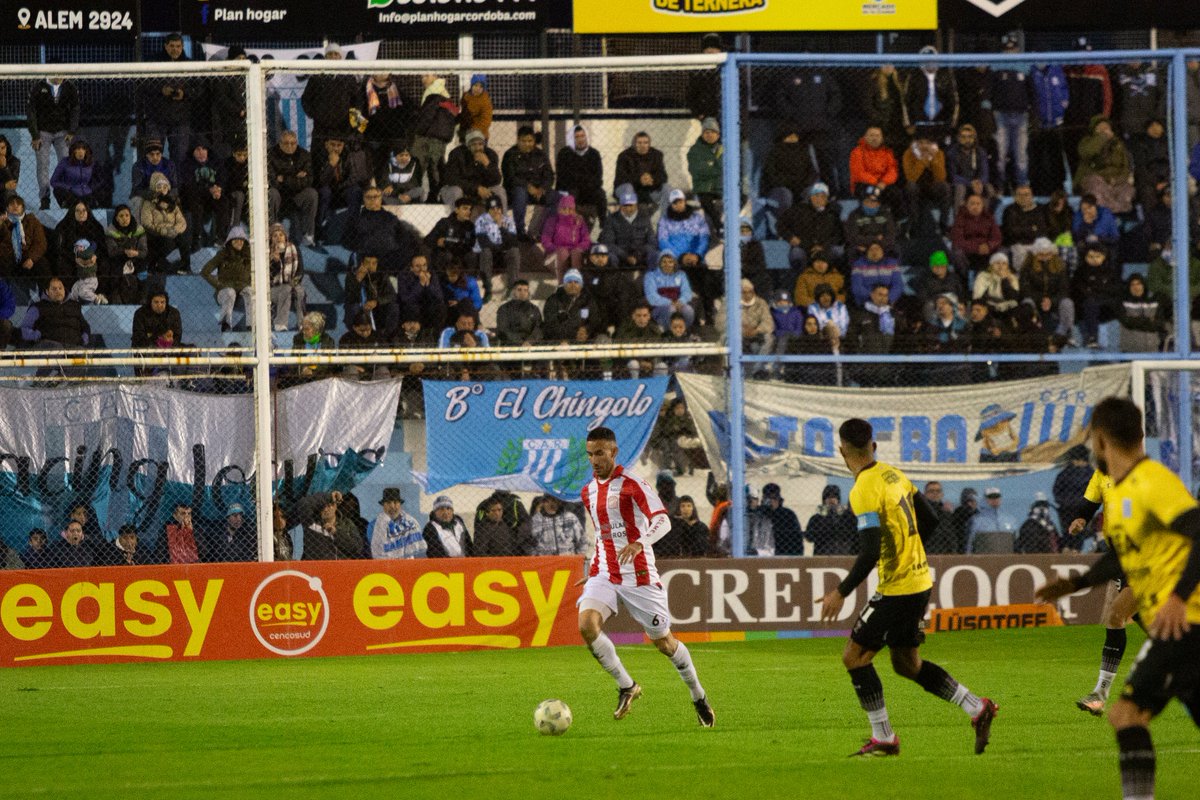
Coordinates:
column 67, row 21
column 1041, row 15
column 238, row 20
column 702, row 16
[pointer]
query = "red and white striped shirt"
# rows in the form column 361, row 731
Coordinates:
column 621, row 510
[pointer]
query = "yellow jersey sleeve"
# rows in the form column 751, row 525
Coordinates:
column 1163, row 493
column 866, row 500
column 1094, row 493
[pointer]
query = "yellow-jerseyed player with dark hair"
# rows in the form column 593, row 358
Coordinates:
column 890, row 514
column 1152, row 522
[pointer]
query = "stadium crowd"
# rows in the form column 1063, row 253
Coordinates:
column 982, row 210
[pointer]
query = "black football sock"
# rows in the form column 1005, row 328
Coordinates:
column 937, row 681
column 1137, row 763
column 869, row 689
column 1110, row 659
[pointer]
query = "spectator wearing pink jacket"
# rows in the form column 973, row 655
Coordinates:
column 566, row 236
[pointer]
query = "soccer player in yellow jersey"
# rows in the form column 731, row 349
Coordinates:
column 1152, row 523
column 1119, row 603
column 890, row 512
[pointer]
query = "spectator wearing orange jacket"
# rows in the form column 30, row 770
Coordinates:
column 872, row 163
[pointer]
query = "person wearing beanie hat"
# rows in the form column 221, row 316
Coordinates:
column 789, row 321
column 812, row 226
column 445, row 533
column 556, row 531
column 1044, row 283
column 641, row 169
column 999, row 286
column 758, row 326
column 704, row 159
column 477, row 107
column 832, row 530
column 472, row 169
column 566, row 236
column 684, row 231
column 86, row 283
column 151, row 161
column 528, row 177
column 870, row 222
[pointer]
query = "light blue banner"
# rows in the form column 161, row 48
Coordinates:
column 532, row 433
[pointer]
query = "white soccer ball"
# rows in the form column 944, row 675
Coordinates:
column 552, row 717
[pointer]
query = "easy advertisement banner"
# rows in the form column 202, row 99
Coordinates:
column 316, row 19
column 303, row 608
column 977, row 431
column 68, row 21
column 702, row 16
column 530, row 435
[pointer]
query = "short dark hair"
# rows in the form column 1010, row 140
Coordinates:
column 525, row 130
column 1120, row 420
column 520, row 282
column 183, row 504
column 127, row 528
column 602, row 434
column 856, row 433
column 1088, row 198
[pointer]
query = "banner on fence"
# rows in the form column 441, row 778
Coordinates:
column 700, row 16
column 304, row 608
column 530, row 435
column 132, row 450
column 981, row 431
column 68, row 21
column 1163, row 388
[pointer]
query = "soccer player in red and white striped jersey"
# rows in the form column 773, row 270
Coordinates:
column 628, row 517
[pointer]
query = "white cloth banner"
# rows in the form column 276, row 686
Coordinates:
column 974, row 431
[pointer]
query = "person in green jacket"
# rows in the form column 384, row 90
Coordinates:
column 704, row 164
column 229, row 273
column 1104, row 167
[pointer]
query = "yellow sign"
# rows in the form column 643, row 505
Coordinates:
column 702, row 16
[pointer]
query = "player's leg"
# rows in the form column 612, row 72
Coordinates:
column 597, row 604
column 1137, row 759
column 867, row 639
column 681, row 658
column 1119, row 604
column 648, row 605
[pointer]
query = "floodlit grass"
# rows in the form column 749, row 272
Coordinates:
column 459, row 725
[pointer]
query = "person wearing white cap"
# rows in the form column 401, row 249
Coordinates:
column 629, row 234
column 998, row 286
column 995, row 522
column 704, row 159
column 641, row 168
column 1044, row 282
column 446, row 535
column 685, row 232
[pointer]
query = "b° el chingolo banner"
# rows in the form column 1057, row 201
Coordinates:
column 702, row 16
column 302, row 608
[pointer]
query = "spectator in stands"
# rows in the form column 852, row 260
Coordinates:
column 580, row 170
column 413, row 336
column 167, row 102
column 401, row 177
column 8, row 307
column 179, row 537
column 473, row 170
column 812, row 99
column 1095, row 289
column 1142, row 316
column 884, row 103
column 873, row 327
column 152, row 161
column 985, row 332
column 571, row 313
column 231, row 539
column 74, row 177
column 1044, row 275
column 313, row 338
column 968, row 165
column 227, row 101
column 758, row 327
column 54, row 321
column 75, row 550
column 816, row 273
column 395, row 533
column 52, row 117
column 833, row 319
column 528, row 177
column 1038, row 533
column 1139, row 96
column 1091, row 95
column 668, row 291
column 433, row 128
column 23, row 244
column 453, row 237
column 384, row 115
column 419, row 293
column 495, row 238
column 939, row 280
column 291, row 174
column 519, row 321
column 362, row 336
column 1022, row 222
column 991, row 519
column 342, row 176
column 124, row 551
column 639, row 328
column 368, row 290
column 497, row 536
column 565, row 237
column 128, row 253
column 871, row 270
column 286, row 267
column 684, row 231
column 1151, row 154
column 678, row 332
column 754, row 265
column 446, row 535
column 1104, row 168
column 1011, row 93
column 998, row 286
column 688, row 537
column 328, row 535
column 37, row 554
column 166, row 226
column 974, row 237
column 703, row 93
column 10, row 168
column 926, row 187
column 460, row 289
column 787, row 171
column 465, row 320
column 1160, row 276
column 704, row 159
column 931, row 99
column 281, row 537
column 812, row 342
column 869, row 223
column 629, row 234
column 832, row 529
column 327, row 100
column 948, row 331
column 1094, row 224
column 477, row 107
column 641, row 168
column 78, row 223
column 85, row 287
column 556, row 531
column 789, row 320
column 154, row 319
column 812, row 226
column 1051, row 96
column 382, row 233
column 228, row 272
column 203, row 196
column 789, row 538
column 235, row 172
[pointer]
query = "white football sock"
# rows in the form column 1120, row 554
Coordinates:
column 682, row 660
column 606, row 653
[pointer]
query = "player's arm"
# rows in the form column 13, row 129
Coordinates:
column 658, row 526
column 870, row 542
column 927, row 518
column 1084, row 510
column 1106, row 569
column 1171, row 620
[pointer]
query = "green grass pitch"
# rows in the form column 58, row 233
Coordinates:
column 458, row 726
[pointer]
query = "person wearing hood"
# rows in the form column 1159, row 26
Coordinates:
column 641, row 169
column 789, row 319
column 165, row 225
column 668, row 291
column 1090, row 89
column 565, row 237
column 833, row 318
column 154, row 319
column 477, row 107
column 519, row 321
column 1104, row 168
column 10, row 168
column 228, row 272
column 383, row 114
column 580, row 170
column 23, row 245
column 754, row 265
column 327, row 101
column 203, row 195
column 1038, row 533
column 1142, row 318
column 872, row 163
column 571, row 313
column 787, row 171
column 128, row 251
column 704, row 159
column 433, row 128
column 290, row 168
column 931, row 99
column 52, row 116
column 556, row 530
column 473, row 170
column 401, row 178
column 816, row 273
column 832, row 530
column 528, row 176
column 74, row 177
